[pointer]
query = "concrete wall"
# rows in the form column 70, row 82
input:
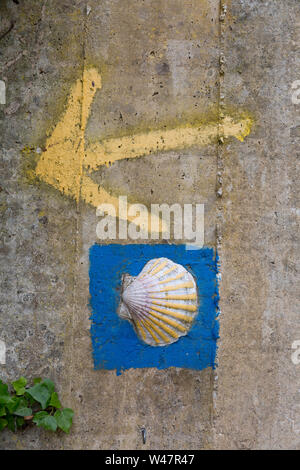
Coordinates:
column 225, row 68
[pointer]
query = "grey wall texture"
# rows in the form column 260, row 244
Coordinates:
column 163, row 64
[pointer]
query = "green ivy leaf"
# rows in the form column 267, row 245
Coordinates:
column 3, row 423
column 43, row 419
column 37, row 380
column 49, row 384
column 5, row 397
column 11, row 422
column 55, row 401
column 23, row 411
column 40, row 393
column 13, row 408
column 13, row 404
column 64, row 419
column 39, row 416
column 3, row 388
column 19, row 386
column 31, row 401
column 20, row 421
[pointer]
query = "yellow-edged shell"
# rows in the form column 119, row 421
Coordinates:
column 161, row 302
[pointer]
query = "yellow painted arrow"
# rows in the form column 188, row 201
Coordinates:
column 66, row 162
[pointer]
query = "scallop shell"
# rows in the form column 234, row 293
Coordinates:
column 161, row 302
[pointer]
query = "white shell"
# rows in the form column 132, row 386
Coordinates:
column 161, row 302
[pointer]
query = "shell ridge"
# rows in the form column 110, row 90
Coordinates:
column 171, row 322
column 166, row 328
column 141, row 330
column 151, row 332
column 158, row 331
column 184, row 317
column 190, row 308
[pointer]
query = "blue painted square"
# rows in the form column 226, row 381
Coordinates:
column 115, row 343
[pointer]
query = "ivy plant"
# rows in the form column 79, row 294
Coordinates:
column 21, row 405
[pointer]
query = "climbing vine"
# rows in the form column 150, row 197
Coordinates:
column 21, row 406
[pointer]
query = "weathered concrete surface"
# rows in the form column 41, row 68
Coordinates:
column 258, row 402
column 160, row 65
